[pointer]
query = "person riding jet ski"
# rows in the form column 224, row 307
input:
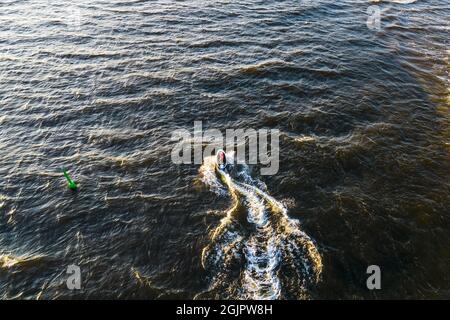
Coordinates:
column 221, row 160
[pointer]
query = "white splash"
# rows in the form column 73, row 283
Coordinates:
column 273, row 239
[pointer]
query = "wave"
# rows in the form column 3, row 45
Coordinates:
column 395, row 1
column 254, row 241
column 9, row 261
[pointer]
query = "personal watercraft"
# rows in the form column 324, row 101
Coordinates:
column 221, row 160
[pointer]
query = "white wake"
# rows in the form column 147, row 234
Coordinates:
column 245, row 258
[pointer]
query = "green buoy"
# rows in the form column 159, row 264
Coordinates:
column 71, row 184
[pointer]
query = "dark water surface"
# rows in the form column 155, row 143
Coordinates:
column 99, row 87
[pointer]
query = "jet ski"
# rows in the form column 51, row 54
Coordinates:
column 222, row 163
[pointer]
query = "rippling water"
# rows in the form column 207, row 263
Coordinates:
column 98, row 87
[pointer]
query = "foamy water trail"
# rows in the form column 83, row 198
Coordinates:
column 254, row 241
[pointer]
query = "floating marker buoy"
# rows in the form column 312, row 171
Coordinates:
column 71, row 184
